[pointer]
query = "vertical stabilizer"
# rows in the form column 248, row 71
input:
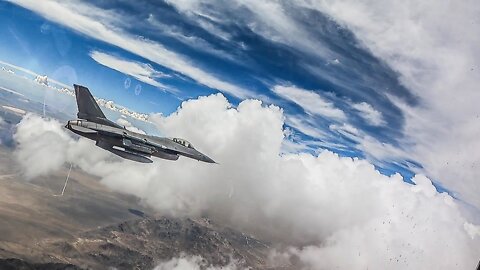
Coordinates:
column 87, row 106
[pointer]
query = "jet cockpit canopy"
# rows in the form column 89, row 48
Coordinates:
column 183, row 142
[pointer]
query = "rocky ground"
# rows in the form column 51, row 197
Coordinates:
column 143, row 243
column 17, row 264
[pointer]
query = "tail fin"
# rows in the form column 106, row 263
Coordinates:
column 87, row 106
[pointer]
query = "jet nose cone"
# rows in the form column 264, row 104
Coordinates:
column 201, row 157
column 207, row 159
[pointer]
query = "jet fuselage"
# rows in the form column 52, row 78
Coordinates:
column 141, row 146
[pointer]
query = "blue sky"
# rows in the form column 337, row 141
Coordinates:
column 335, row 93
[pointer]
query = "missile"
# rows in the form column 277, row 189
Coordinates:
column 129, row 155
column 123, row 153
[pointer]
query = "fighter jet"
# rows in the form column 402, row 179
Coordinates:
column 93, row 124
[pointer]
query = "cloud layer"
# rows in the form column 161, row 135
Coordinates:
column 321, row 209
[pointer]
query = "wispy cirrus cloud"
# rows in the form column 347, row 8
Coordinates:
column 369, row 114
column 140, row 71
column 305, row 126
column 189, row 39
column 310, row 101
column 269, row 19
column 378, row 152
column 80, row 17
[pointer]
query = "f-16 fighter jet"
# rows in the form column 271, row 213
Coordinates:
column 93, row 124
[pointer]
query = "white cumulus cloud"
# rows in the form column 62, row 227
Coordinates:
column 185, row 262
column 35, row 138
column 42, row 79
